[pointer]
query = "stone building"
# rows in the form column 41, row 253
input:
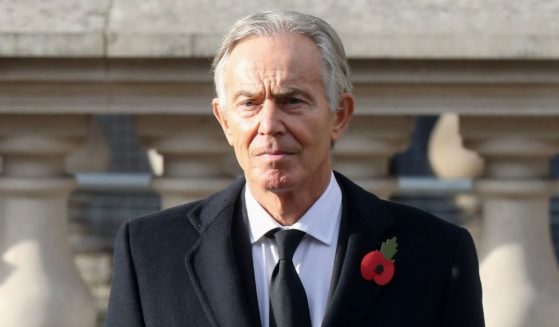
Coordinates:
column 105, row 115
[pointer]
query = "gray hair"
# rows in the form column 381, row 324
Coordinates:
column 335, row 69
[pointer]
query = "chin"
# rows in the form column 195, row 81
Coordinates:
column 276, row 182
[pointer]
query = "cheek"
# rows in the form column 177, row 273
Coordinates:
column 321, row 132
column 241, row 151
column 243, row 136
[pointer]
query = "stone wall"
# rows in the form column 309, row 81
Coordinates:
column 370, row 29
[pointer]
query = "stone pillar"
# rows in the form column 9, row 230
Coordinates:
column 363, row 153
column 518, row 269
column 197, row 159
column 39, row 283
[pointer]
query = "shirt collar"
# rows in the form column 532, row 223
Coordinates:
column 319, row 221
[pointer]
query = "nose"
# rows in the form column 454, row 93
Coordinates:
column 271, row 119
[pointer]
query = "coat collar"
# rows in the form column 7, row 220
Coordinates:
column 365, row 224
column 211, row 263
column 213, row 270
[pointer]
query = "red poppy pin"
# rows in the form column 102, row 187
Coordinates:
column 379, row 265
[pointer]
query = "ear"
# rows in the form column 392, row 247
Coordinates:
column 343, row 115
column 220, row 115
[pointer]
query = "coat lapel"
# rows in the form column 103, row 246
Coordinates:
column 365, row 225
column 211, row 263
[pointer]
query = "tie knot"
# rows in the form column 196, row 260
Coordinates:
column 287, row 241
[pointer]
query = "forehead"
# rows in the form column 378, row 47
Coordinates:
column 278, row 60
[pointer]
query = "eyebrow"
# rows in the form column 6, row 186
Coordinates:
column 282, row 93
column 292, row 92
column 245, row 93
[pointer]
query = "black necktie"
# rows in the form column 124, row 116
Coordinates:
column 288, row 300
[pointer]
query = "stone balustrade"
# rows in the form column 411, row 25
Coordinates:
column 508, row 110
column 515, row 189
column 39, row 284
column 197, row 160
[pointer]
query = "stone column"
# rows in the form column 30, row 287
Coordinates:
column 198, row 160
column 518, row 269
column 39, row 283
column 363, row 153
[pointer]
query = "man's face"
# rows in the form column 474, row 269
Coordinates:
column 277, row 117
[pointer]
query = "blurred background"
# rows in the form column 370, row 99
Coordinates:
column 105, row 116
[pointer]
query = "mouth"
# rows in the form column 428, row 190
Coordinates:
column 274, row 155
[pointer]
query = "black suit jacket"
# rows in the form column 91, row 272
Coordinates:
column 191, row 266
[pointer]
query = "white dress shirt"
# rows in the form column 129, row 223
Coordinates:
column 314, row 257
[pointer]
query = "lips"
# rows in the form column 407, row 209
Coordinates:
column 275, row 155
column 273, row 151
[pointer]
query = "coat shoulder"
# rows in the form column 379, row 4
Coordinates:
column 188, row 219
column 413, row 224
column 430, row 235
column 421, row 221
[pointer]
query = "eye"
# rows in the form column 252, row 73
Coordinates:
column 248, row 104
column 290, row 101
column 293, row 100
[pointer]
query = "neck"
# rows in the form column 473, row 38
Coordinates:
column 287, row 207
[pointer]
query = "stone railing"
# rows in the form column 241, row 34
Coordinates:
column 509, row 115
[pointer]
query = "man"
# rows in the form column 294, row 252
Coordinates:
column 292, row 243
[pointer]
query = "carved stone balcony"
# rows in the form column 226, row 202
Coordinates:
column 509, row 114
